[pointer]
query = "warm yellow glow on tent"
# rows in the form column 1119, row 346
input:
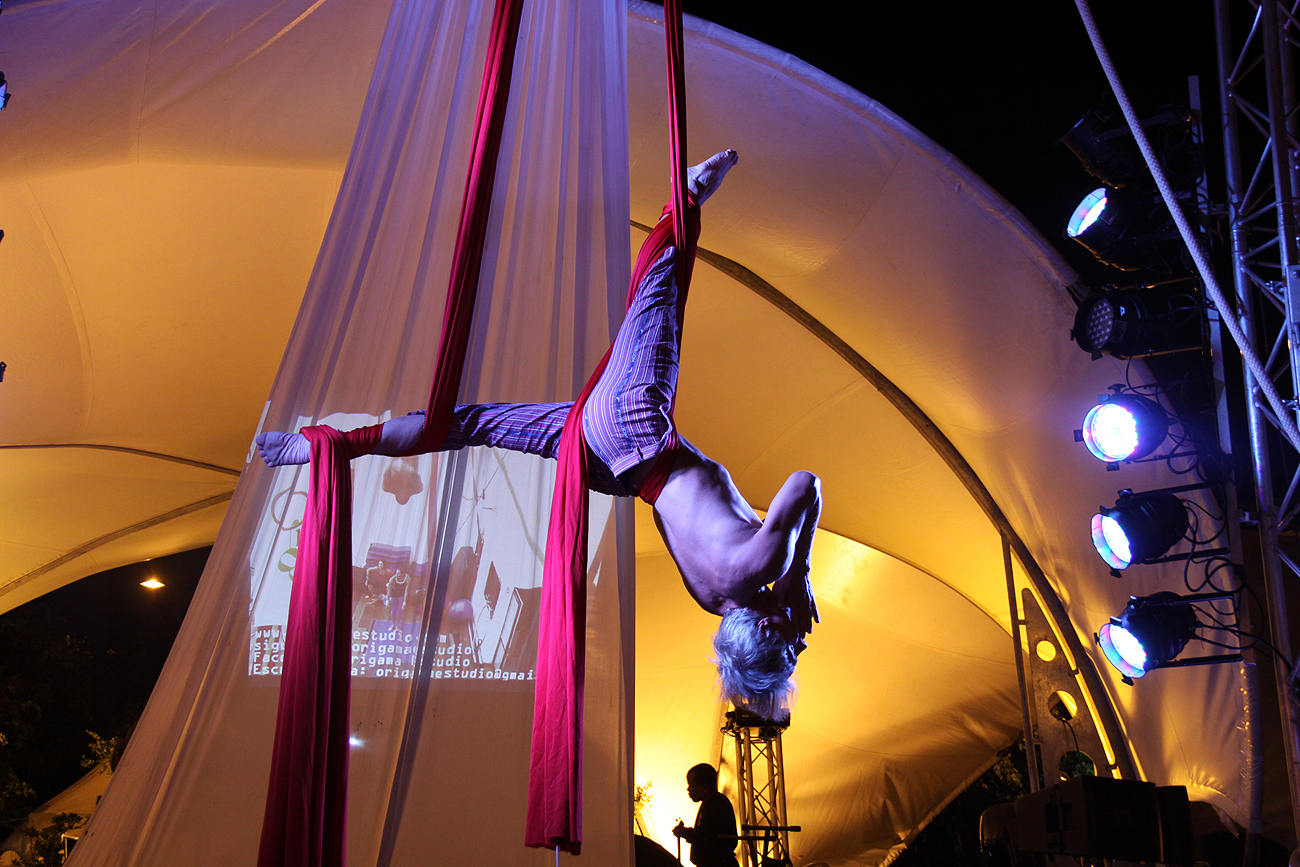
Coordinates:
column 894, row 642
column 1069, row 701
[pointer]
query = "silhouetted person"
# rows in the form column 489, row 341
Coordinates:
column 713, row 839
column 398, row 584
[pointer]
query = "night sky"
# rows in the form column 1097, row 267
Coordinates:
column 994, row 83
column 997, row 83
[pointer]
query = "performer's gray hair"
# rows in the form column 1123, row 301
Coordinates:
column 755, row 664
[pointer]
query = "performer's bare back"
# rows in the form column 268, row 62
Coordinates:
column 726, row 553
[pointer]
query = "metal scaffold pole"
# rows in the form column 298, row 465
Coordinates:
column 1258, row 104
column 760, row 772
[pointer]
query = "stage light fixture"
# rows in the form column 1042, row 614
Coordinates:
column 1140, row 320
column 4, row 92
column 1121, row 227
column 1087, row 212
column 1114, row 323
column 1139, row 528
column 1150, row 633
column 1103, row 144
column 1124, row 427
column 1125, row 224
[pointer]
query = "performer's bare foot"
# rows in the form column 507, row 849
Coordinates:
column 280, row 449
column 704, row 179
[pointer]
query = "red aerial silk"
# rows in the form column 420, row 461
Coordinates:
column 555, row 773
column 307, row 796
column 305, row 817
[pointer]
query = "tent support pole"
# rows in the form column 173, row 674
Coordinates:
column 1031, row 754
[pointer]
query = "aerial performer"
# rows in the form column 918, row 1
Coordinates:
column 751, row 571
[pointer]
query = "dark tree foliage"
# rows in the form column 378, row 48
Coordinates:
column 76, row 669
column 47, row 847
column 43, row 676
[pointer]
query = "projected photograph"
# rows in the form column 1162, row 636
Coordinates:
column 446, row 565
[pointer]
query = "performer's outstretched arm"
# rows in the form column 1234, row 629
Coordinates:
column 399, row 436
column 794, row 589
column 780, row 551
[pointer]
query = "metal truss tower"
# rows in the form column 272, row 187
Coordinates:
column 760, row 776
column 1257, row 90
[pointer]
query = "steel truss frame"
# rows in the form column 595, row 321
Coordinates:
column 760, row 772
column 1257, row 94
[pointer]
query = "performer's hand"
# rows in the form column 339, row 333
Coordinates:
column 794, row 592
column 680, row 830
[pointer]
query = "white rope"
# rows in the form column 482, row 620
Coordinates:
column 1285, row 418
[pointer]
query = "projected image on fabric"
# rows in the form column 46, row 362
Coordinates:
column 481, row 603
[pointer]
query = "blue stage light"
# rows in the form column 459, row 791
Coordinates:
column 1122, row 650
column 1111, row 542
column 1121, row 227
column 1140, row 527
column 1087, row 213
column 1110, row 431
column 1150, row 633
column 1125, row 427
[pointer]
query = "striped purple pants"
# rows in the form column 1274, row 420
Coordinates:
column 627, row 417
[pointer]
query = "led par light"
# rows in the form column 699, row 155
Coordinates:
column 1152, row 631
column 1140, row 527
column 1125, row 427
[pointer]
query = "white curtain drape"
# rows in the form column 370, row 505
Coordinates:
column 447, row 551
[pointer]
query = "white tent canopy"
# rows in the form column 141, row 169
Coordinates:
column 166, row 173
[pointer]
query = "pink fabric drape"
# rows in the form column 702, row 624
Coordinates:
column 306, row 806
column 306, row 801
column 555, row 773
column 468, row 256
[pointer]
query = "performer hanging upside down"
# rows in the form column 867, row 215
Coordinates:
column 726, row 554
